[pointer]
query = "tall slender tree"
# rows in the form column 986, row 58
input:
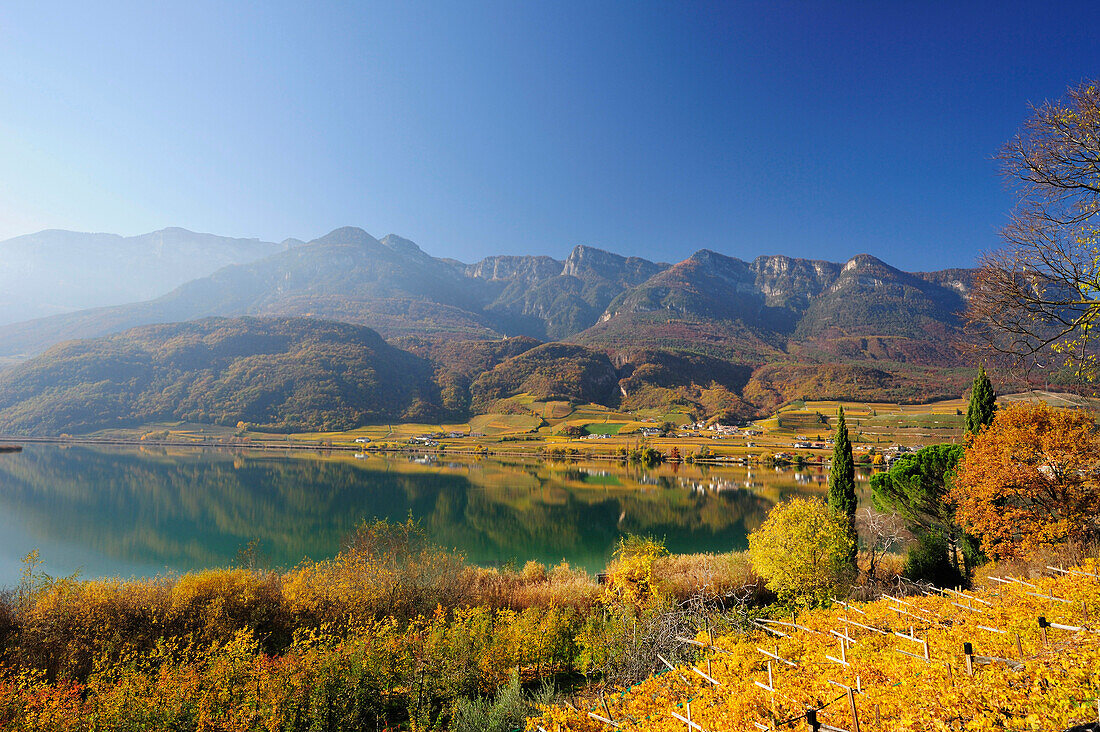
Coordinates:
column 842, row 483
column 983, row 403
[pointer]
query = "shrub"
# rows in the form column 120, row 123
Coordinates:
column 927, row 561
column 682, row 576
column 387, row 569
column 534, row 586
column 630, row 574
column 212, row 606
column 505, row 711
column 534, row 572
column 646, row 456
column 801, row 551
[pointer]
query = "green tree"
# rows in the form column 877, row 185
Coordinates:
column 916, row 488
column 842, row 483
column 983, row 403
column 801, row 551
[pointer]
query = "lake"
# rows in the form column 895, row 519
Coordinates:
column 146, row 511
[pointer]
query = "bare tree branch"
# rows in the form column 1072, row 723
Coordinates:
column 1039, row 296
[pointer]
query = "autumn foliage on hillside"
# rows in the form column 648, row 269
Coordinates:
column 278, row 374
column 903, row 658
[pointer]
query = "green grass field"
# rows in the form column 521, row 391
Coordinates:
column 603, row 428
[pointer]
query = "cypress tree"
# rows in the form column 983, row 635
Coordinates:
column 842, row 481
column 983, row 402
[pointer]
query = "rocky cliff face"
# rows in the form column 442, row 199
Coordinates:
column 528, row 270
column 790, row 282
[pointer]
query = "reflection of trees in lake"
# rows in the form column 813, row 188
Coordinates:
column 186, row 511
column 194, row 509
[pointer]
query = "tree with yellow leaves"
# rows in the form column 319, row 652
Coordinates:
column 1031, row 479
column 801, row 551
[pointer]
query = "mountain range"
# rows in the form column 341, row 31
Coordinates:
column 714, row 333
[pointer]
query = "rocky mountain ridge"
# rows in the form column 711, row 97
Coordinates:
column 395, row 287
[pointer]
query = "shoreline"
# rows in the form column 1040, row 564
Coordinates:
column 479, row 452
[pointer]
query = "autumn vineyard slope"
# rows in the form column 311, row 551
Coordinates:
column 1020, row 654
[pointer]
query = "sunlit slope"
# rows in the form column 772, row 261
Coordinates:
column 903, row 657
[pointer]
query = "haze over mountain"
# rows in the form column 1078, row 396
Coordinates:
column 58, row 271
column 713, row 333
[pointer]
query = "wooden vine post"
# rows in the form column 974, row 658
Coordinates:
column 855, row 714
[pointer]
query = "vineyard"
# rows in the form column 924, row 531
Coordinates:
column 1019, row 654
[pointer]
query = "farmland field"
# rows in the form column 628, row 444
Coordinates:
column 533, row 427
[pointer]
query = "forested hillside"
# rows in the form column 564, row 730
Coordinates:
column 550, row 371
column 284, row 374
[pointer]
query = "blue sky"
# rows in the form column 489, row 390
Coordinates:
column 474, row 128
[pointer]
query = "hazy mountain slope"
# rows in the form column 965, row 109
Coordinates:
column 57, row 271
column 729, row 340
column 874, row 311
column 689, row 333
column 751, row 313
column 708, row 304
column 804, row 328
column 390, row 285
column 705, row 285
column 869, row 297
column 289, row 374
column 346, row 275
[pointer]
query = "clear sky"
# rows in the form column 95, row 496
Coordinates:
column 810, row 129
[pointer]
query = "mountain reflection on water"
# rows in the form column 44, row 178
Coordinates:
column 141, row 511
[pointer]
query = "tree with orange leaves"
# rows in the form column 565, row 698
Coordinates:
column 1031, row 479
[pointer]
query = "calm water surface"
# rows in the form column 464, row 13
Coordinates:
column 118, row 511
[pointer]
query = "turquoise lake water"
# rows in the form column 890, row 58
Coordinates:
column 142, row 512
